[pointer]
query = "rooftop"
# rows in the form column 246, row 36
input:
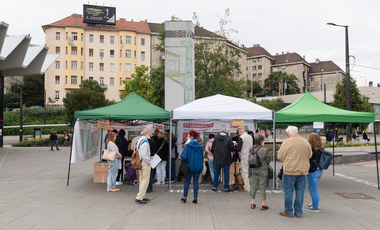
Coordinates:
column 288, row 58
column 324, row 66
column 257, row 50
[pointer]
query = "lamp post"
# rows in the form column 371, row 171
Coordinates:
column 251, row 84
column 348, row 91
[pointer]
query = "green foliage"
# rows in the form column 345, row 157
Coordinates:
column 272, row 83
column 83, row 100
column 359, row 102
column 12, row 100
column 160, row 46
column 349, row 144
column 157, row 80
column 139, row 83
column 38, row 142
column 275, row 104
column 92, row 85
column 32, row 90
column 256, row 87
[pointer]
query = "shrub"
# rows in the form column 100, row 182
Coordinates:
column 38, row 142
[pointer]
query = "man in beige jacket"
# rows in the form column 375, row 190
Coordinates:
column 294, row 153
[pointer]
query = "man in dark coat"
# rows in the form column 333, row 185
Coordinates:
column 221, row 149
column 122, row 144
column 54, row 140
column 152, row 146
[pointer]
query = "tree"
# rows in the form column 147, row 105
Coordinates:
column 83, row 100
column 157, row 80
column 92, row 85
column 32, row 90
column 272, row 83
column 275, row 104
column 359, row 102
column 139, row 83
column 256, row 87
column 12, row 100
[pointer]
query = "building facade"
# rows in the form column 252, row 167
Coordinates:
column 324, row 72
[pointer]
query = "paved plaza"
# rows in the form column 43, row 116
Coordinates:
column 34, row 195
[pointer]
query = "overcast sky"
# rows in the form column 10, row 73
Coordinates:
column 277, row 25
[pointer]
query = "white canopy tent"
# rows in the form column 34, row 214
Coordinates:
column 223, row 108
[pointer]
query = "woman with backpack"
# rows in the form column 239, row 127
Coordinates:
column 315, row 173
column 260, row 174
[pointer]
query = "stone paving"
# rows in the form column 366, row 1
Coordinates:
column 34, row 195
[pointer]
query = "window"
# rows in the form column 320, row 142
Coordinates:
column 135, row 54
column 260, row 67
column 73, row 80
column 67, row 50
column 73, row 64
column 91, row 38
column 91, row 52
column 74, row 36
column 67, row 36
column 128, row 67
column 135, row 41
column 254, row 60
column 253, row 67
column 57, row 50
column 121, row 39
column 275, row 68
column 101, row 53
column 112, row 67
column 128, row 39
column 57, row 80
column 66, row 64
column 260, row 74
column 112, row 39
column 112, row 53
column 121, row 67
column 312, row 79
column 236, row 74
column 101, row 80
column 74, row 50
column 128, row 53
column 142, row 55
column 56, row 94
column 91, row 66
column 143, row 41
column 101, row 66
column 260, row 60
column 91, row 78
column 57, row 64
column 253, row 75
column 81, row 37
column 65, row 79
column 121, row 53
column 81, row 51
column 282, row 67
column 312, row 87
column 57, row 36
column 112, row 81
column 231, row 54
column 101, row 38
column 81, row 79
column 81, row 65
column 121, row 81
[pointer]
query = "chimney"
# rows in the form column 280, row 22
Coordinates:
column 303, row 57
column 146, row 20
column 242, row 45
column 276, row 53
column 122, row 19
column 282, row 52
column 132, row 20
column 287, row 52
column 317, row 61
column 256, row 45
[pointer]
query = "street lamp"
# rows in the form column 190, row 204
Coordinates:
column 348, row 91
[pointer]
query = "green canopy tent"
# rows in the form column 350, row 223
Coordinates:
column 308, row 109
column 131, row 108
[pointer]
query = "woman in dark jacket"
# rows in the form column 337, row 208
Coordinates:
column 163, row 152
column 260, row 174
column 122, row 144
column 314, row 172
column 193, row 154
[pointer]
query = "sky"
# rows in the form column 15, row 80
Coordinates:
column 277, row 25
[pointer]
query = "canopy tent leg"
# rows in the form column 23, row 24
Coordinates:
column 101, row 144
column 377, row 160
column 334, row 151
column 170, row 151
column 71, row 152
column 274, row 151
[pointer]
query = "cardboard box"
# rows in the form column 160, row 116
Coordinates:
column 232, row 172
column 100, row 172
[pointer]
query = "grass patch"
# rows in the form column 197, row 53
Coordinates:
column 38, row 142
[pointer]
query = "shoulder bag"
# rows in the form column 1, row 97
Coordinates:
column 109, row 155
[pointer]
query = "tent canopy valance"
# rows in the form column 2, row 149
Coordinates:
column 132, row 107
column 309, row 109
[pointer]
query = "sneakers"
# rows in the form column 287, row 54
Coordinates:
column 158, row 182
column 140, row 201
column 214, row 189
column 312, row 209
column 228, row 190
column 163, row 182
column 309, row 205
column 119, row 183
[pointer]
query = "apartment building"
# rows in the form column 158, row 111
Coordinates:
column 105, row 53
column 324, row 72
column 259, row 62
column 10, row 81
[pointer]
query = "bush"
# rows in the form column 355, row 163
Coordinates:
column 38, row 142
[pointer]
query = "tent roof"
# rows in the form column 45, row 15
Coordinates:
column 220, row 107
column 132, row 107
column 309, row 109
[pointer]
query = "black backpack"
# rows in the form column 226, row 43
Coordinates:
column 254, row 160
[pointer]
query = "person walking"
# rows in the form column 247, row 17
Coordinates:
column 365, row 136
column 244, row 144
column 221, row 150
column 319, row 132
column 329, row 135
column 122, row 144
column 336, row 134
column 294, row 153
column 260, row 174
column 163, row 153
column 315, row 173
column 355, row 136
column 112, row 165
column 193, row 155
column 210, row 156
column 54, row 140
column 144, row 173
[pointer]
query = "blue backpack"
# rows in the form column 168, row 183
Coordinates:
column 326, row 158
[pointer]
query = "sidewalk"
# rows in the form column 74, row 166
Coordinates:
column 34, row 195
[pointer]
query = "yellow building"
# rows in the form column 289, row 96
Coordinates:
column 105, row 53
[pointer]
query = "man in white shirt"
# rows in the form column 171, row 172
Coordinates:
column 144, row 172
column 245, row 142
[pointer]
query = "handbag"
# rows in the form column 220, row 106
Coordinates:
column 184, row 168
column 109, row 155
column 254, row 160
column 280, row 173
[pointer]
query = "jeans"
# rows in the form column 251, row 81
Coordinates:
column 312, row 185
column 172, row 176
column 259, row 179
column 160, row 171
column 195, row 183
column 56, row 144
column 150, row 185
column 211, row 166
column 112, row 173
column 226, row 171
column 291, row 183
column 120, row 171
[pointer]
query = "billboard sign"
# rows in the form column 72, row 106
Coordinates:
column 99, row 14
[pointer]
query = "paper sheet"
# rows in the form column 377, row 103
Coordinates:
column 155, row 161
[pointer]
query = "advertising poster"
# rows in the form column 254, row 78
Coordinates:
column 99, row 14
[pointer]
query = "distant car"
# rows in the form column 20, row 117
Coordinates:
column 15, row 110
column 35, row 107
